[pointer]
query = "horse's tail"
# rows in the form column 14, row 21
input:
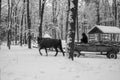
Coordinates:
column 60, row 43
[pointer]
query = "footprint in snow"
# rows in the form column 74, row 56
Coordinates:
column 63, row 68
column 42, row 72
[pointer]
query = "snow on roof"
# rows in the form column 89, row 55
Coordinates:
column 104, row 29
column 47, row 36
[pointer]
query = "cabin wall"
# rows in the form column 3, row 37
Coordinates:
column 104, row 37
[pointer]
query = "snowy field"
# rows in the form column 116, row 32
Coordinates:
column 21, row 63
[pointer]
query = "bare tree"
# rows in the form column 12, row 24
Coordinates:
column 16, row 27
column 29, row 25
column 9, row 26
column 25, row 34
column 41, row 12
column 114, row 5
column 67, row 17
column 0, row 20
column 71, row 31
column 77, row 26
column 40, row 27
column 97, row 2
column 16, row 21
column 22, row 23
column 0, row 10
column 54, row 9
column 61, row 24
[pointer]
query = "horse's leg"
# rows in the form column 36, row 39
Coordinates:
column 56, row 51
column 46, row 51
column 62, row 50
column 40, row 51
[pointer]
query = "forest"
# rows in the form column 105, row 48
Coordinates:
column 21, row 21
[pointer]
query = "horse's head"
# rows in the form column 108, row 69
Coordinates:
column 39, row 39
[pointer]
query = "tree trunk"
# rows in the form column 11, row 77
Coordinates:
column 12, row 20
column 115, row 12
column 9, row 27
column 77, row 27
column 41, row 12
column 98, row 16
column 21, row 31
column 25, row 23
column 98, row 12
column 68, row 9
column 25, row 35
column 22, row 23
column 40, row 27
column 71, row 31
column 54, row 9
column 115, row 16
column 0, row 10
column 16, row 26
column 29, row 25
column 61, row 24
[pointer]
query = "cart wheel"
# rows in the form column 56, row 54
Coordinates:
column 111, row 55
column 76, row 53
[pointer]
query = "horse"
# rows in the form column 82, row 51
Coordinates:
column 44, row 43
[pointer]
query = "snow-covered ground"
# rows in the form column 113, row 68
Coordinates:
column 21, row 63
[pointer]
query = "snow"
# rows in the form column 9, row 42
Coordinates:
column 47, row 36
column 21, row 63
column 105, row 29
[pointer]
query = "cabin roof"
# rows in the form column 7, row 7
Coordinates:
column 104, row 29
column 46, row 35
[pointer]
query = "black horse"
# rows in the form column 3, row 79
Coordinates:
column 49, row 43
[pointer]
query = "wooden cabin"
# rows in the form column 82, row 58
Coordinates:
column 104, row 33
